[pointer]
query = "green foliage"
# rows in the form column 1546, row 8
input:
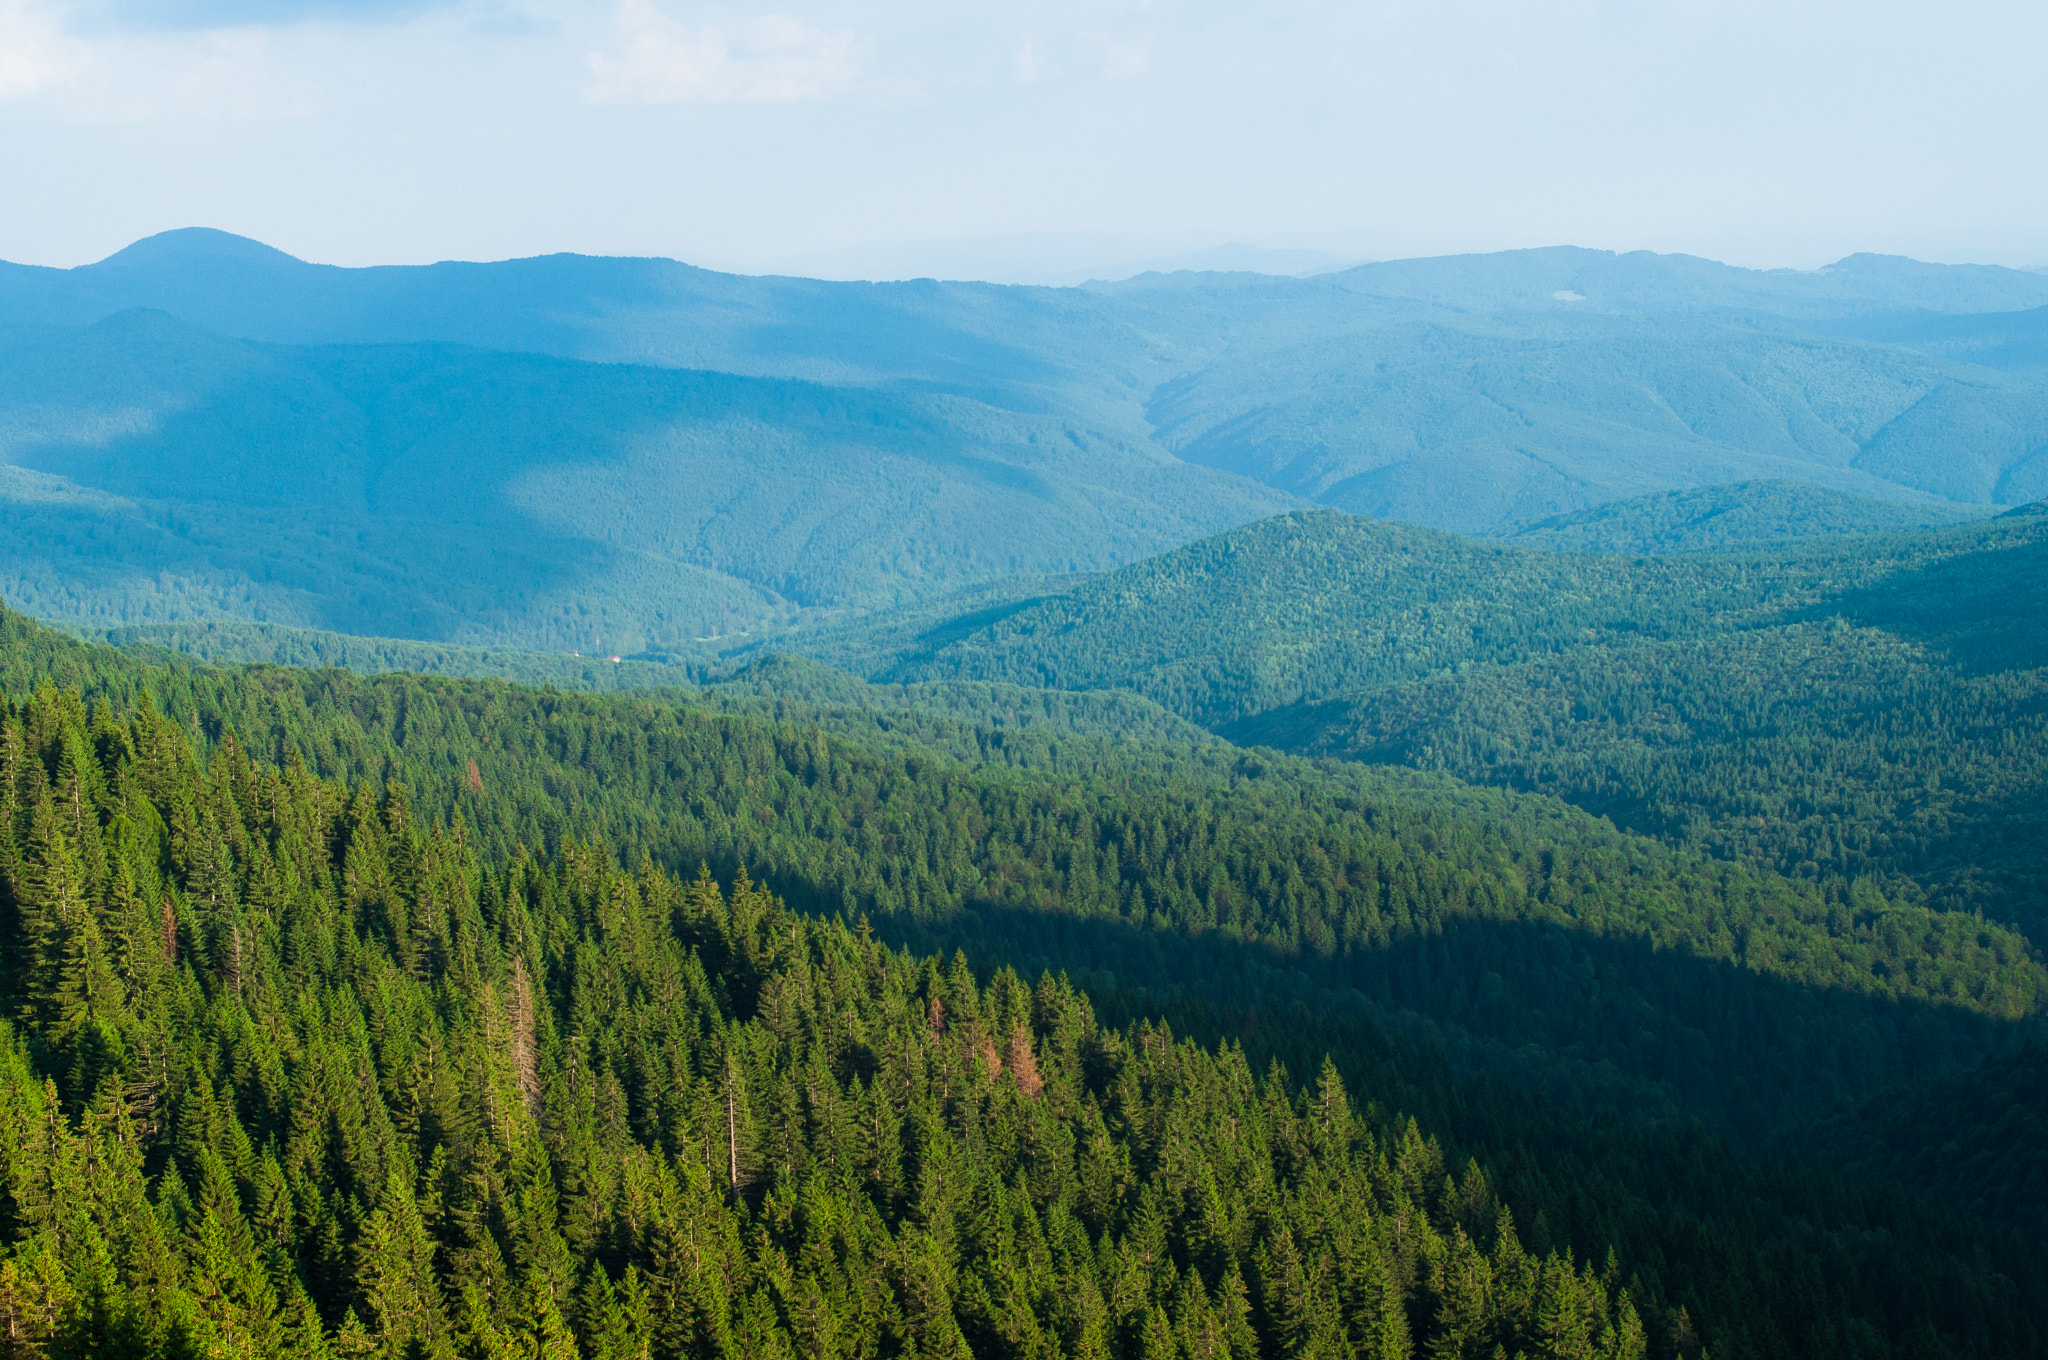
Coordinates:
column 1717, row 517
column 1316, row 604
column 421, row 1106
column 1491, row 922
column 229, row 644
column 1977, row 1139
column 282, row 920
column 1868, row 712
column 976, row 722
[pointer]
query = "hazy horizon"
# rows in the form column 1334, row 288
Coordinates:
column 862, row 137
column 1045, row 259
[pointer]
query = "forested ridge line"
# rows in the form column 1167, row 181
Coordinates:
column 1315, row 604
column 298, row 1070
column 1869, row 709
column 1322, row 861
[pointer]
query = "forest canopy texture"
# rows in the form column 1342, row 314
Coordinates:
column 400, row 1016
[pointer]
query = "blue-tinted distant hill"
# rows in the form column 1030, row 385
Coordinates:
column 1483, row 421
column 160, row 472
column 626, row 453
column 610, row 307
column 1478, row 392
column 1572, row 278
column 1006, row 343
column 1102, row 338
column 2015, row 341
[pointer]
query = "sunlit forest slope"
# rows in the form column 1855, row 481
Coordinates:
column 344, row 1022
column 1861, row 708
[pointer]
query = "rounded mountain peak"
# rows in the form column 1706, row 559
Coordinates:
column 194, row 245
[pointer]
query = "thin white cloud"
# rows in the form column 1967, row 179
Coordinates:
column 109, row 77
column 771, row 60
column 1121, row 55
column 1104, row 54
column 1032, row 64
column 35, row 54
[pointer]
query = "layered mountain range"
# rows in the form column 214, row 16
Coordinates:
column 578, row 454
column 589, row 808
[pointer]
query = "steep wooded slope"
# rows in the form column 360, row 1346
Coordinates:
column 295, row 1075
column 354, row 988
column 1330, row 876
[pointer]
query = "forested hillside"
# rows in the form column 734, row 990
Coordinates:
column 1322, row 871
column 1837, row 712
column 228, row 643
column 396, row 1102
column 309, row 1058
column 1313, row 604
column 1721, row 517
column 1976, row 1138
column 1480, row 423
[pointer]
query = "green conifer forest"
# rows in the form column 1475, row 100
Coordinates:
column 399, row 1016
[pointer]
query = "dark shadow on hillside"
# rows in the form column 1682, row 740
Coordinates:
column 1976, row 1139
column 387, row 489
column 144, row 562
column 661, row 504
column 1601, row 1024
column 1982, row 611
column 952, row 630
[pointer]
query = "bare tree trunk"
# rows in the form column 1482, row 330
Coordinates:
column 732, row 1130
column 525, row 1062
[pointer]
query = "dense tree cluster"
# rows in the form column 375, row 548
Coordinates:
column 295, row 1073
column 1736, row 515
column 1600, row 966
column 216, row 955
column 1840, row 712
column 1316, row 605
column 1829, row 751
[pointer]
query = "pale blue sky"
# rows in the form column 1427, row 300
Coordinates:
column 892, row 138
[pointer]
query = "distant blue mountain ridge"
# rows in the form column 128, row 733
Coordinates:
column 584, row 453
